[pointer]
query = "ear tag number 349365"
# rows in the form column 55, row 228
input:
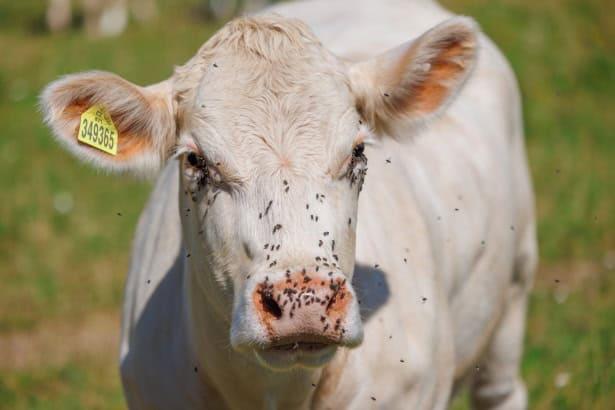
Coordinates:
column 97, row 130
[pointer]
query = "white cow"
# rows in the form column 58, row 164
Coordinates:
column 225, row 9
column 104, row 18
column 258, row 278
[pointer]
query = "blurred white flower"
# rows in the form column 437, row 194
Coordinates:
column 608, row 261
column 63, row 202
column 560, row 295
column 561, row 379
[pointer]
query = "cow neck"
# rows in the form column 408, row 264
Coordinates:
column 222, row 371
column 229, row 371
column 219, row 367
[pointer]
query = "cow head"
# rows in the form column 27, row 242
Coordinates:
column 269, row 130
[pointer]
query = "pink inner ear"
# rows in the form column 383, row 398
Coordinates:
column 130, row 142
column 447, row 69
column 143, row 118
column 417, row 79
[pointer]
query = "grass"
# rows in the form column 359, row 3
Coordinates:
column 90, row 384
column 64, row 249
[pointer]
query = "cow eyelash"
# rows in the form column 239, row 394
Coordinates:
column 358, row 156
column 358, row 150
column 203, row 171
column 196, row 161
column 350, row 163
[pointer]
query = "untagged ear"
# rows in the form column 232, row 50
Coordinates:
column 410, row 84
column 142, row 116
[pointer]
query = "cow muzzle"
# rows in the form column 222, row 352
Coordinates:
column 303, row 317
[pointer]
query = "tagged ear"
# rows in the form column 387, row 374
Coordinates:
column 412, row 83
column 142, row 116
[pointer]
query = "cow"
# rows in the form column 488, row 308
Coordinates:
column 108, row 18
column 101, row 18
column 225, row 9
column 270, row 268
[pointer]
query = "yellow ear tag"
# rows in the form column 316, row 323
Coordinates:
column 97, row 130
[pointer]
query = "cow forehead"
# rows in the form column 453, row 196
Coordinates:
column 265, row 132
column 257, row 92
column 288, row 101
column 277, row 107
column 252, row 55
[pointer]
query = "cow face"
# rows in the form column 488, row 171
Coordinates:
column 269, row 130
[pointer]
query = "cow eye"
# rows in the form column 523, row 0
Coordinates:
column 357, row 167
column 193, row 159
column 357, row 151
column 197, row 171
column 202, row 172
column 196, row 160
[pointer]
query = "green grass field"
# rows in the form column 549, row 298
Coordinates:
column 64, row 248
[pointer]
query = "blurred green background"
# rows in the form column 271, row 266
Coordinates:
column 64, row 249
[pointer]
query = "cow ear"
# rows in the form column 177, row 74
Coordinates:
column 412, row 83
column 142, row 116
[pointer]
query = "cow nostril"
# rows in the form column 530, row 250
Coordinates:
column 270, row 305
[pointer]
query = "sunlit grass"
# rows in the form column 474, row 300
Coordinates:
column 76, row 385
